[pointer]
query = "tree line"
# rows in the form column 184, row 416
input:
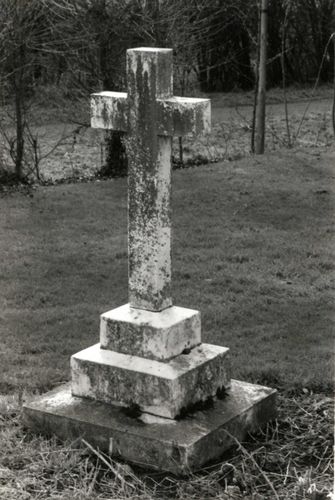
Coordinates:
column 79, row 45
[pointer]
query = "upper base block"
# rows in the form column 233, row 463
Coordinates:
column 153, row 335
column 176, row 446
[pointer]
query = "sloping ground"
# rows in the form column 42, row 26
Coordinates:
column 252, row 250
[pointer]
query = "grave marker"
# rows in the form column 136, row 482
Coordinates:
column 150, row 356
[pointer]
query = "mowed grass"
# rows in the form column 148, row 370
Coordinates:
column 252, row 250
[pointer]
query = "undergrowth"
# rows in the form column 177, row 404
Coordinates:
column 290, row 459
column 69, row 150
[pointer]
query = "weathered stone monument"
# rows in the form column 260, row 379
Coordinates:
column 150, row 391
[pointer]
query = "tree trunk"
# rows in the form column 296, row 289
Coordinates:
column 254, row 109
column 19, row 134
column 260, row 114
column 19, row 90
column 333, row 113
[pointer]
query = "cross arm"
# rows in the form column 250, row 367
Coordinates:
column 109, row 110
column 176, row 116
column 182, row 116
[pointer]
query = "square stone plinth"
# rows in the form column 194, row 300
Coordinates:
column 176, row 446
column 163, row 389
column 155, row 335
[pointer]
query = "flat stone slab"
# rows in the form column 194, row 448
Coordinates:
column 154, row 335
column 177, row 446
column 163, row 389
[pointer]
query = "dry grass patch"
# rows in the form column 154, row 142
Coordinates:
column 290, row 459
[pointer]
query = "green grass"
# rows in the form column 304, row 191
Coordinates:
column 252, row 250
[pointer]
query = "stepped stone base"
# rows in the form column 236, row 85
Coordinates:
column 154, row 335
column 161, row 388
column 177, row 446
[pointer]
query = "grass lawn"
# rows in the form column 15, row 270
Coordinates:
column 252, row 250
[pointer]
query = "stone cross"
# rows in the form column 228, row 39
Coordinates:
column 150, row 116
column 150, row 366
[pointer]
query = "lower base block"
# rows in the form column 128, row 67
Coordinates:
column 177, row 446
column 164, row 389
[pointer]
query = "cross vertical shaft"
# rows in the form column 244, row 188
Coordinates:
column 150, row 116
column 149, row 76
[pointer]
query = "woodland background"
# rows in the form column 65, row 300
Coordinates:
column 58, row 51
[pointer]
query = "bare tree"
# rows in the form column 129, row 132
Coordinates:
column 23, row 29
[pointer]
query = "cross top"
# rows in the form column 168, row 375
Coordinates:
column 150, row 116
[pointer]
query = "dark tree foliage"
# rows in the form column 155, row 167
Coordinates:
column 80, row 45
column 224, row 55
column 215, row 42
column 309, row 25
column 276, row 15
column 313, row 22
